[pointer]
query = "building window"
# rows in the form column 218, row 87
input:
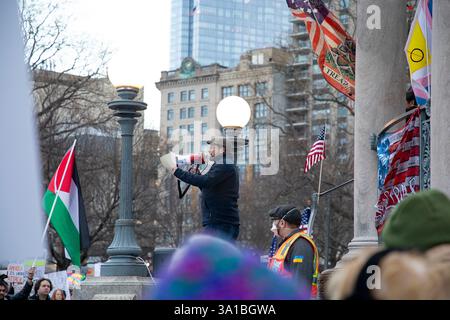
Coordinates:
column 191, row 112
column 341, row 97
column 258, row 58
column 342, row 112
column 344, row 4
column 344, row 19
column 320, row 84
column 343, row 125
column 204, row 146
column 316, row 69
column 227, row 91
column 301, row 59
column 191, row 95
column 169, row 132
column 183, row 96
column 190, row 129
column 183, row 113
column 205, row 93
column 261, row 110
column 304, row 74
column 204, row 111
column 299, row 28
column 204, row 128
column 304, row 44
column 261, row 89
column 343, row 157
column 170, row 97
column 170, row 114
column 321, row 114
column 182, row 130
column 244, row 90
column 316, row 129
column 324, row 97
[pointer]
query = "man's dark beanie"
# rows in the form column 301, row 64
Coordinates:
column 421, row 221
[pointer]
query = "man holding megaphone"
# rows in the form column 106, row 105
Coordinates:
column 219, row 189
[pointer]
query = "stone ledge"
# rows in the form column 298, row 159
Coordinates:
column 115, row 288
column 114, row 297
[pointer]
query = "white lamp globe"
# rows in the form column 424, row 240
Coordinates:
column 233, row 112
column 126, row 71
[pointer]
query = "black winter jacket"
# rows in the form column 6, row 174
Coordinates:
column 220, row 192
column 23, row 294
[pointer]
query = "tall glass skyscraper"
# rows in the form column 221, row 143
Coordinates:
column 219, row 31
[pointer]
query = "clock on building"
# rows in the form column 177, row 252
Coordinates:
column 187, row 69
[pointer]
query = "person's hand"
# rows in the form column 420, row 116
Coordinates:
column 169, row 161
column 173, row 169
column 31, row 272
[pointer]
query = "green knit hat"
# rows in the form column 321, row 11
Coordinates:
column 421, row 221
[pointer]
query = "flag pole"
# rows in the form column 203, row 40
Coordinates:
column 56, row 197
column 320, row 182
column 321, row 163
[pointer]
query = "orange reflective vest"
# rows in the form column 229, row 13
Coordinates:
column 276, row 263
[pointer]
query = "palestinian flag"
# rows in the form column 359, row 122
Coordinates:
column 68, row 216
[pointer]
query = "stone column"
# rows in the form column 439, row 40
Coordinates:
column 381, row 79
column 380, row 96
column 440, row 98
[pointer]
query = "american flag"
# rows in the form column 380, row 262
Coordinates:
column 398, row 167
column 304, row 220
column 331, row 43
column 317, row 152
column 273, row 247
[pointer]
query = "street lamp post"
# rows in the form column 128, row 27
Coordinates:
column 124, row 251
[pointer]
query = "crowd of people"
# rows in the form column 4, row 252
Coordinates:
column 43, row 288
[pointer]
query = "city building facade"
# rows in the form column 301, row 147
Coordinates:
column 188, row 104
column 217, row 31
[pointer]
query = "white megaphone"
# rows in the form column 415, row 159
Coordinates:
column 171, row 160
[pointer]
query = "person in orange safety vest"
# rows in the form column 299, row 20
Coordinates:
column 297, row 256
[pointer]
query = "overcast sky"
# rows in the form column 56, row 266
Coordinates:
column 137, row 29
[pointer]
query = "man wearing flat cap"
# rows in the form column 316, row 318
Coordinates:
column 220, row 192
column 297, row 256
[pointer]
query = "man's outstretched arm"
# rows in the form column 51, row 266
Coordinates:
column 217, row 174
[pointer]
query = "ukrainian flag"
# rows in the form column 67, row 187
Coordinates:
column 298, row 259
column 418, row 51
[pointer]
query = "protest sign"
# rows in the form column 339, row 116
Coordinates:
column 16, row 274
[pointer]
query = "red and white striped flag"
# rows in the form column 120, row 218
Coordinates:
column 333, row 45
column 317, row 152
column 398, row 167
